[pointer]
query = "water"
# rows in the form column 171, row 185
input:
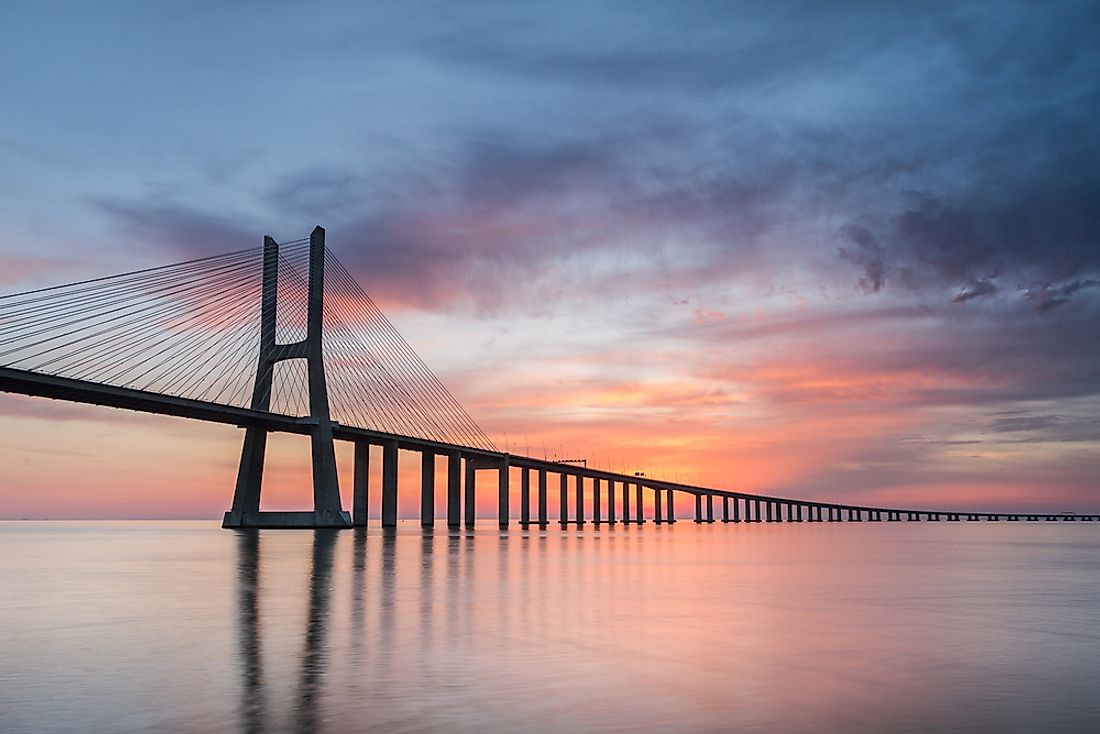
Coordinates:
column 184, row 627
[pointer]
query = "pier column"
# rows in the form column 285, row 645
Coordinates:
column 736, row 509
column 778, row 511
column 389, row 484
column 725, row 509
column 470, row 502
column 427, row 489
column 580, row 499
column 524, row 495
column 698, row 508
column 597, row 509
column 504, row 477
column 611, row 501
column 657, row 506
column 638, row 502
column 563, row 498
column 768, row 509
column 671, row 514
column 360, row 483
column 542, row 497
column 626, row 501
column 710, row 508
column 454, row 488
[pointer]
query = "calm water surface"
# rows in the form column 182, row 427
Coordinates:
column 166, row 627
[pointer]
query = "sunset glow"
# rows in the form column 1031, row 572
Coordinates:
column 810, row 277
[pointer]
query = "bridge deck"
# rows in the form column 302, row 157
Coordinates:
column 24, row 382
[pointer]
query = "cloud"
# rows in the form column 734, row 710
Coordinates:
column 1044, row 296
column 976, row 288
column 179, row 231
column 867, row 253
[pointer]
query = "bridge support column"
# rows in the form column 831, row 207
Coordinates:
column 470, row 502
column 698, row 508
column 360, row 484
column 725, row 509
column 525, row 496
column 427, row 489
column 597, row 509
column 542, row 498
column 389, row 484
column 611, row 501
column 626, row 502
column 503, row 492
column 638, row 502
column 671, row 517
column 710, row 508
column 454, row 489
column 580, row 499
column 563, row 499
column 657, row 507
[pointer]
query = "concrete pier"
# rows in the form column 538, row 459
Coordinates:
column 542, row 498
column 360, row 483
column 597, row 505
column 563, row 499
column 504, row 477
column 470, row 500
column 580, row 499
column 524, row 496
column 657, row 518
column 389, row 484
column 454, row 488
column 427, row 489
column 611, row 501
column 671, row 510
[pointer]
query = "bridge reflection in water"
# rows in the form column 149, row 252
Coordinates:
column 654, row 629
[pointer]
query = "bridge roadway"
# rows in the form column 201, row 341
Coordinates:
column 747, row 507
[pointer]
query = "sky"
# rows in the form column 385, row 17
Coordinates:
column 842, row 251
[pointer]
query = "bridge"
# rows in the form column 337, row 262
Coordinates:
column 281, row 338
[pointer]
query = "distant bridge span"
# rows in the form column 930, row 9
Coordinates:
column 178, row 340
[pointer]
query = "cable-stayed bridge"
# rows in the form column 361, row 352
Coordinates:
column 281, row 338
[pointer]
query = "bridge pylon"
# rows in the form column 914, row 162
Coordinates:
column 327, row 511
